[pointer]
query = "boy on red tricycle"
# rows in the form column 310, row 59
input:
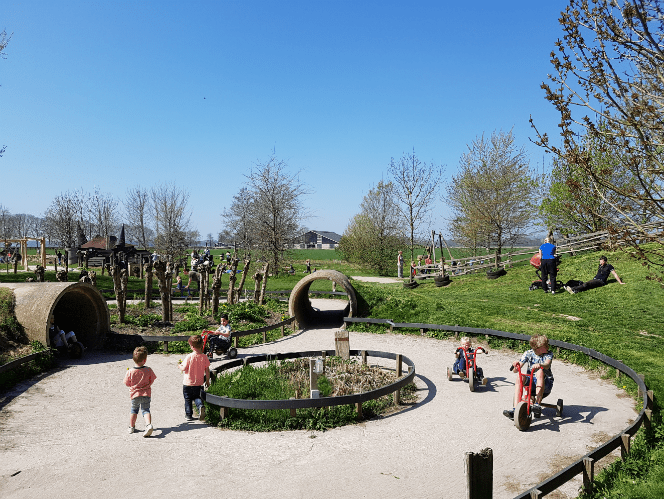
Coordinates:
column 465, row 364
column 538, row 378
column 219, row 341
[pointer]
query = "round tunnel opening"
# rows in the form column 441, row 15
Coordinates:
column 74, row 306
column 307, row 315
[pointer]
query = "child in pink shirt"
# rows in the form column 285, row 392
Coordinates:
column 139, row 379
column 196, row 369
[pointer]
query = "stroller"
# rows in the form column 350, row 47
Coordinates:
column 535, row 261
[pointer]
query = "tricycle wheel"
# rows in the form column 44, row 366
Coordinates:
column 449, row 374
column 471, row 379
column 559, row 408
column 522, row 418
column 232, row 352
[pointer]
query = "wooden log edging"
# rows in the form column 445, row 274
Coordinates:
column 581, row 466
column 357, row 398
column 23, row 360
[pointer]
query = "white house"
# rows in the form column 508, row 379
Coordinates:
column 319, row 239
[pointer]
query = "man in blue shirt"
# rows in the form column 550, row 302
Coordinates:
column 547, row 253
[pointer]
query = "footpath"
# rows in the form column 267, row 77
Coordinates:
column 64, row 434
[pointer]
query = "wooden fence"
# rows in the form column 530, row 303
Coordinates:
column 584, row 465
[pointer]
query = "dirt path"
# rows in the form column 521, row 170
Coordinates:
column 65, row 434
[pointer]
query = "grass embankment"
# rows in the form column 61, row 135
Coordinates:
column 622, row 321
column 14, row 344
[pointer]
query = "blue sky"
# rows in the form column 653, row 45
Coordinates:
column 117, row 94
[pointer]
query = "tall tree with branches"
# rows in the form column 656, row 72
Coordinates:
column 416, row 186
column 277, row 211
column 608, row 85
column 375, row 235
column 138, row 212
column 492, row 197
column 171, row 216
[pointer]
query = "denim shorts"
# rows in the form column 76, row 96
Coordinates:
column 548, row 384
column 143, row 403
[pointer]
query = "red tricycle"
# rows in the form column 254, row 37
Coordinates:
column 222, row 347
column 523, row 415
column 474, row 373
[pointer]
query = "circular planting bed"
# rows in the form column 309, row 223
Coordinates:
column 272, row 392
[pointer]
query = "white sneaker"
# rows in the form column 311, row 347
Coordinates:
column 148, row 431
column 132, row 430
column 569, row 290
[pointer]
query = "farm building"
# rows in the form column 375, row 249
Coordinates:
column 319, row 239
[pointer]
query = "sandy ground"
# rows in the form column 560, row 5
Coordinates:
column 64, row 434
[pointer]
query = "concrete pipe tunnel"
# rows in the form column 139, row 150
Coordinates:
column 74, row 306
column 307, row 316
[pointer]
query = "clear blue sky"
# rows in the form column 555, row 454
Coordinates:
column 117, row 94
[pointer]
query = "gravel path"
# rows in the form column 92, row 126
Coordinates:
column 65, row 434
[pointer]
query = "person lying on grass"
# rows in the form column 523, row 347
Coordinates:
column 603, row 272
column 540, row 358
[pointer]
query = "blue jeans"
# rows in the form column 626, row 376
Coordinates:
column 192, row 393
column 143, row 403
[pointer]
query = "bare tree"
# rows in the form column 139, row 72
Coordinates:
column 5, row 223
column 608, row 82
column 62, row 216
column 138, row 214
column 171, row 217
column 415, row 189
column 239, row 221
column 276, row 208
column 493, row 194
column 103, row 208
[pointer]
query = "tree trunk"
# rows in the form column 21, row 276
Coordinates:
column 148, row 284
column 120, row 288
column 245, row 271
column 231, row 281
column 261, row 300
column 169, row 287
column 160, row 272
column 216, row 287
column 204, row 276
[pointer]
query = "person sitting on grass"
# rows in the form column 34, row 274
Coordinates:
column 221, row 338
column 603, row 271
column 540, row 358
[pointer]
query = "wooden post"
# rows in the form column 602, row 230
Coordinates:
column 651, row 399
column 358, row 406
column 264, row 336
column 479, row 474
column 648, row 420
column 364, row 357
column 165, row 346
column 397, row 393
column 313, row 377
column 282, row 330
column 536, row 494
column 625, row 442
column 323, row 355
column 342, row 344
column 588, row 473
column 293, row 410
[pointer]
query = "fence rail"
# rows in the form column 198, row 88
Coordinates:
column 584, row 465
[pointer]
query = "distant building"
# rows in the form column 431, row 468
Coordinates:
column 319, row 239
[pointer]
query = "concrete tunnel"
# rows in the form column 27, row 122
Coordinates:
column 300, row 306
column 75, row 306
